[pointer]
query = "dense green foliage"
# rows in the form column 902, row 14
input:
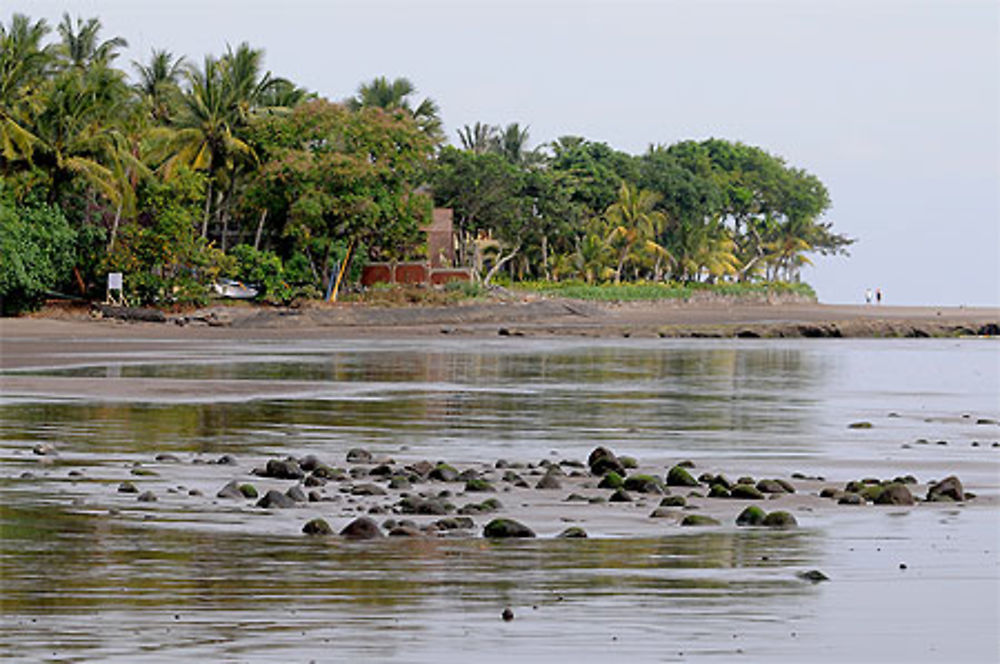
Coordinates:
column 189, row 172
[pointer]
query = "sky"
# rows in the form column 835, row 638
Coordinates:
column 894, row 105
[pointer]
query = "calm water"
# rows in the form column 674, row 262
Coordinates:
column 164, row 582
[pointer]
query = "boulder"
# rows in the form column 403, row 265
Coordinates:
column 368, row 490
column 478, row 485
column 127, row 487
column 770, row 486
column 275, row 499
column 611, row 480
column 317, row 527
column 673, row 501
column 643, row 484
column 283, row 469
column 678, row 476
column 950, row 488
column 297, row 494
column 147, row 497
column 230, row 491
column 895, row 493
column 248, row 490
column 718, row 491
column 699, row 520
column 620, row 496
column 751, row 516
column 358, row 455
column 361, row 528
column 746, row 492
column 309, row 463
column 443, row 473
column 850, row 498
column 506, row 528
column 779, row 519
column 602, row 460
column 573, row 532
column 549, row 481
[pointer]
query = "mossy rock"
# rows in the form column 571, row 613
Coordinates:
column 872, row 492
column 628, row 463
column 859, row 425
column 643, row 484
column 718, row 491
column 575, row 498
column 746, row 479
column 746, row 492
column 721, row 480
column 144, row 472
column 673, row 501
column 678, row 476
column 611, row 480
column 478, row 485
column 317, row 527
column 573, row 532
column 854, row 486
column 687, row 463
column 444, row 473
column 490, row 505
column 779, row 519
column 699, row 520
column 751, row 516
column 830, row 492
column 620, row 496
column 248, row 491
column 851, row 498
column 895, row 493
column 602, row 460
column 770, row 486
column 127, row 487
column 506, row 528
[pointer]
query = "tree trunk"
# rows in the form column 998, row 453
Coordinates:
column 499, row 265
column 545, row 257
column 208, row 209
column 260, row 229
column 340, row 274
column 114, row 227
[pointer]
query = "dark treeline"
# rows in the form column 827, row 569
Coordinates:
column 178, row 173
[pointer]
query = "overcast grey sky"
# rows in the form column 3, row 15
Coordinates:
column 894, row 105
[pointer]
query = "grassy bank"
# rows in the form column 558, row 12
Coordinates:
column 633, row 292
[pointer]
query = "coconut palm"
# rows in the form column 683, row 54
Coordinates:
column 479, row 138
column 24, row 65
column 394, row 95
column 634, row 223
column 81, row 46
column 159, row 82
column 513, row 141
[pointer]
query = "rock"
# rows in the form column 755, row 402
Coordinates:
column 313, row 481
column 611, row 480
column 746, row 479
column 687, row 463
column 830, row 492
column 871, row 492
column 770, row 486
column 779, row 519
column 315, row 497
column 358, row 455
column 443, row 473
column 454, row 523
column 469, row 474
column 127, row 487
column 746, row 492
column 283, row 469
column 43, row 449
column 813, row 575
column 673, row 501
column 950, row 488
column 144, row 472
column 786, row 485
column 381, row 470
column 575, row 498
column 662, row 513
column 147, row 497
column 399, row 483
column 166, row 457
column 368, row 490
column 549, row 481
column 478, row 485
column 628, row 463
column 602, row 460
column 418, row 505
column 620, row 496
column 231, row 491
column 317, row 527
column 859, row 425
column 507, row 615
column 325, row 472
column 361, row 528
column 297, row 494
column 718, row 491
column 490, row 505
column 573, row 532
column 226, row 460
column 699, row 520
column 751, row 516
column 421, row 468
column 275, row 499
column 678, row 476
column 850, row 498
column 248, row 490
column 721, row 480
column 405, row 530
column 506, row 528
column 895, row 494
column 643, row 484
column 309, row 463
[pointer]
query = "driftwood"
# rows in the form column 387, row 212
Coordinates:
column 132, row 313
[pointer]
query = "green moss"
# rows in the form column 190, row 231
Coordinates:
column 780, row 519
column 490, row 505
column 859, row 425
column 871, row 492
column 478, row 485
column 248, row 490
column 746, row 492
column 317, row 527
column 628, row 462
column 678, row 476
column 643, row 484
column 751, row 516
column 673, row 501
column 611, row 480
column 718, row 491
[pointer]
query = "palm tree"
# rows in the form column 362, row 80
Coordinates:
column 80, row 46
column 159, row 82
column 24, row 65
column 394, row 95
column 513, row 142
column 479, row 138
column 634, row 223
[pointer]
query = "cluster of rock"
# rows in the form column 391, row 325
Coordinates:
column 895, row 491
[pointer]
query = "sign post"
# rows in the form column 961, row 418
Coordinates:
column 115, row 295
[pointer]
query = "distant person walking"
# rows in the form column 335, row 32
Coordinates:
column 868, row 296
column 878, row 296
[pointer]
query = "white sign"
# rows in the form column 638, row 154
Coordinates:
column 114, row 281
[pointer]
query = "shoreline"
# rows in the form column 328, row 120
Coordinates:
column 30, row 341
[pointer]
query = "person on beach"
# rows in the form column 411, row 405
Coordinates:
column 878, row 296
column 868, row 296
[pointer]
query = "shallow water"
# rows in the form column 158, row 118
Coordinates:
column 166, row 581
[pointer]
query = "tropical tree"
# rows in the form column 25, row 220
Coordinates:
column 479, row 138
column 395, row 95
column 81, row 46
column 159, row 83
column 24, row 66
column 634, row 223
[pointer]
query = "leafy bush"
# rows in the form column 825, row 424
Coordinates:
column 629, row 292
column 37, row 252
column 278, row 283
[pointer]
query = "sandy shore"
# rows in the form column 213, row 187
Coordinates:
column 57, row 338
